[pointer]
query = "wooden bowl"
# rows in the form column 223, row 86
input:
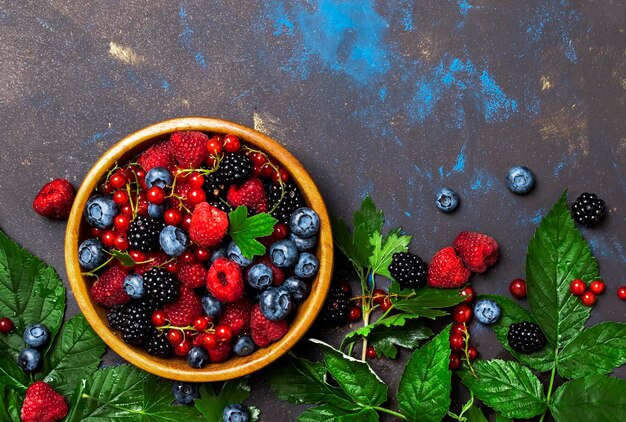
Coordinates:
column 176, row 367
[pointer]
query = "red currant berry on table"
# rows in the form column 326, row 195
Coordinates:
column 158, row 318
column 126, row 209
column 458, row 328
column 621, row 292
column 517, row 288
column 156, row 195
column 231, row 143
column 577, row 287
column 472, row 353
column 95, row 232
column 174, row 336
column 597, row 287
column 370, row 352
column 457, row 342
column 468, row 293
column 182, row 348
column 462, row 313
column 588, row 298
column 258, row 159
column 267, row 170
column 6, row 325
column 118, row 179
column 223, row 332
column 200, row 323
column 172, row 216
column 140, row 174
column 209, row 341
column 455, row 362
column 281, row 175
column 354, row 314
column 108, row 189
column 214, row 146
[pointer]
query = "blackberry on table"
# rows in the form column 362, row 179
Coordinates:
column 589, row 210
column 135, row 323
column 160, row 286
column 526, row 337
column 408, row 269
column 337, row 307
column 143, row 234
column 157, row 345
column 284, row 204
column 235, row 168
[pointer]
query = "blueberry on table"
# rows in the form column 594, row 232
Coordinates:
column 520, row 180
column 29, row 359
column 234, row 254
column 244, row 346
column 447, row 200
column 297, row 287
column 487, row 311
column 197, row 357
column 260, row 276
column 36, row 335
column 185, row 392
column 173, row 240
column 211, row 306
column 303, row 244
column 236, row 413
column 275, row 303
column 100, row 211
column 304, row 222
column 284, row 253
column 307, row 265
column 158, row 176
column 91, row 254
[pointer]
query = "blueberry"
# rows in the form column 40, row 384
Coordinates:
column 234, row 254
column 298, row 289
column 304, row 222
column 100, row 211
column 487, row 311
column 260, row 276
column 275, row 303
column 36, row 335
column 244, row 346
column 158, row 176
column 211, row 306
column 283, row 253
column 219, row 253
column 197, row 357
column 133, row 284
column 156, row 210
column 91, row 254
column 447, row 200
column 185, row 392
column 29, row 359
column 236, row 413
column 307, row 265
column 303, row 244
column 520, row 180
column 173, row 240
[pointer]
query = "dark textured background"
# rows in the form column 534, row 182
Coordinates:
column 392, row 99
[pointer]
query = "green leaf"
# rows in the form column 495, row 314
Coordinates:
column 123, row 257
column 396, row 320
column 326, row 413
column 354, row 376
column 386, row 339
column 506, row 387
column 423, row 301
column 542, row 360
column 343, row 240
column 30, row 292
column 424, row 390
column 606, row 342
column 11, row 375
column 369, row 217
column 500, row 418
column 75, row 355
column 255, row 413
column 244, row 231
column 474, row 414
column 10, row 404
column 383, row 250
column 211, row 405
column 557, row 254
column 597, row 398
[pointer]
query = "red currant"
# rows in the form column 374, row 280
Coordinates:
column 378, row 296
column 223, row 332
column 108, row 238
column 355, row 313
column 385, row 304
column 6, row 325
column 121, row 242
column 140, row 174
column 171, row 267
column 468, row 293
column 95, row 232
column 182, row 348
column 588, row 299
column 198, row 339
column 186, row 222
column 142, row 207
column 281, row 175
column 187, row 257
column 118, row 179
column 156, row 195
column 126, row 209
column 280, row 231
column 458, row 328
column 172, row 216
column 120, row 197
column 267, row 171
column 462, row 313
column 159, row 318
column 174, row 336
column 457, row 342
column 231, row 143
column 107, row 188
column 209, row 161
column 346, row 288
column 137, row 256
column 196, row 180
column 180, row 174
column 472, row 353
column 209, row 341
column 370, row 352
column 196, row 195
column 214, row 146
column 621, row 292
column 202, row 254
column 455, row 362
column 597, row 287
column 577, row 287
column 200, row 323
column 518, row 288
column 121, row 222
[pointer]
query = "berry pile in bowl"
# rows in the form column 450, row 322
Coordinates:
column 199, row 249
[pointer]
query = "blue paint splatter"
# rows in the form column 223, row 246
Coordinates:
column 568, row 160
column 281, row 22
column 555, row 21
column 407, row 14
column 464, row 7
column 98, row 136
column 166, row 86
column 408, row 214
column 382, row 94
column 459, row 166
column 483, row 181
column 186, row 37
column 538, row 216
column 200, row 61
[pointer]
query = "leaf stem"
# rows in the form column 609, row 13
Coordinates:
column 391, row 412
column 552, row 374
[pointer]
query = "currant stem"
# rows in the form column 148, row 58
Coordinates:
column 391, row 412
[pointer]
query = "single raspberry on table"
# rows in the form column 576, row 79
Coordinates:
column 208, row 225
column 251, row 194
column 55, row 199
column 185, row 309
column 264, row 331
column 192, row 275
column 189, row 148
column 158, row 155
column 224, row 280
column 446, row 270
column 108, row 290
column 43, row 404
column 220, row 353
column 237, row 315
column 478, row 251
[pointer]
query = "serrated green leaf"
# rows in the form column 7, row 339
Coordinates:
column 387, row 339
column 383, row 250
column 606, row 342
column 211, row 405
column 542, row 360
column 355, row 377
column 30, row 292
column 597, row 398
column 506, row 387
column 396, row 320
column 500, row 418
column 10, row 404
column 423, row 301
column 557, row 254
column 11, row 375
column 123, row 257
column 424, row 390
column 244, row 231
column 343, row 240
column 369, row 217
column 326, row 413
column 474, row 414
column 75, row 355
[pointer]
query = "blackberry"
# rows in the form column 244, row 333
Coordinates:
column 284, row 205
column 221, row 205
column 135, row 323
column 114, row 316
column 143, row 234
column 213, row 189
column 526, row 337
column 157, row 345
column 160, row 286
column 337, row 307
column 408, row 269
column 234, row 168
column 589, row 210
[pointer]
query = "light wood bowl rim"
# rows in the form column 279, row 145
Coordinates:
column 177, row 368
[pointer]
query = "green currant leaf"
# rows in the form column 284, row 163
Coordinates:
column 369, row 217
column 596, row 398
column 10, row 404
column 383, row 250
column 424, row 301
column 326, row 413
column 474, row 414
column 11, row 375
column 245, row 230
column 386, row 340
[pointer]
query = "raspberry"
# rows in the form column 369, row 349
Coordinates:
column 237, row 315
column 55, row 199
column 234, row 168
column 224, row 280
column 182, row 312
column 189, row 148
column 192, row 275
column 158, row 155
column 108, row 290
column 157, row 345
column 264, row 331
column 409, row 270
column 43, row 404
column 154, row 259
column 526, row 337
column 220, row 353
column 208, row 225
column 251, row 194
column 446, row 270
column 478, row 251
column 284, row 203
column 589, row 210
column 143, row 234
column 161, row 286
column 337, row 307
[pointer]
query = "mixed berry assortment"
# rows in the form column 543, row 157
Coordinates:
column 173, row 278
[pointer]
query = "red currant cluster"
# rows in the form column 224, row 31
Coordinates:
column 462, row 314
column 587, row 297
